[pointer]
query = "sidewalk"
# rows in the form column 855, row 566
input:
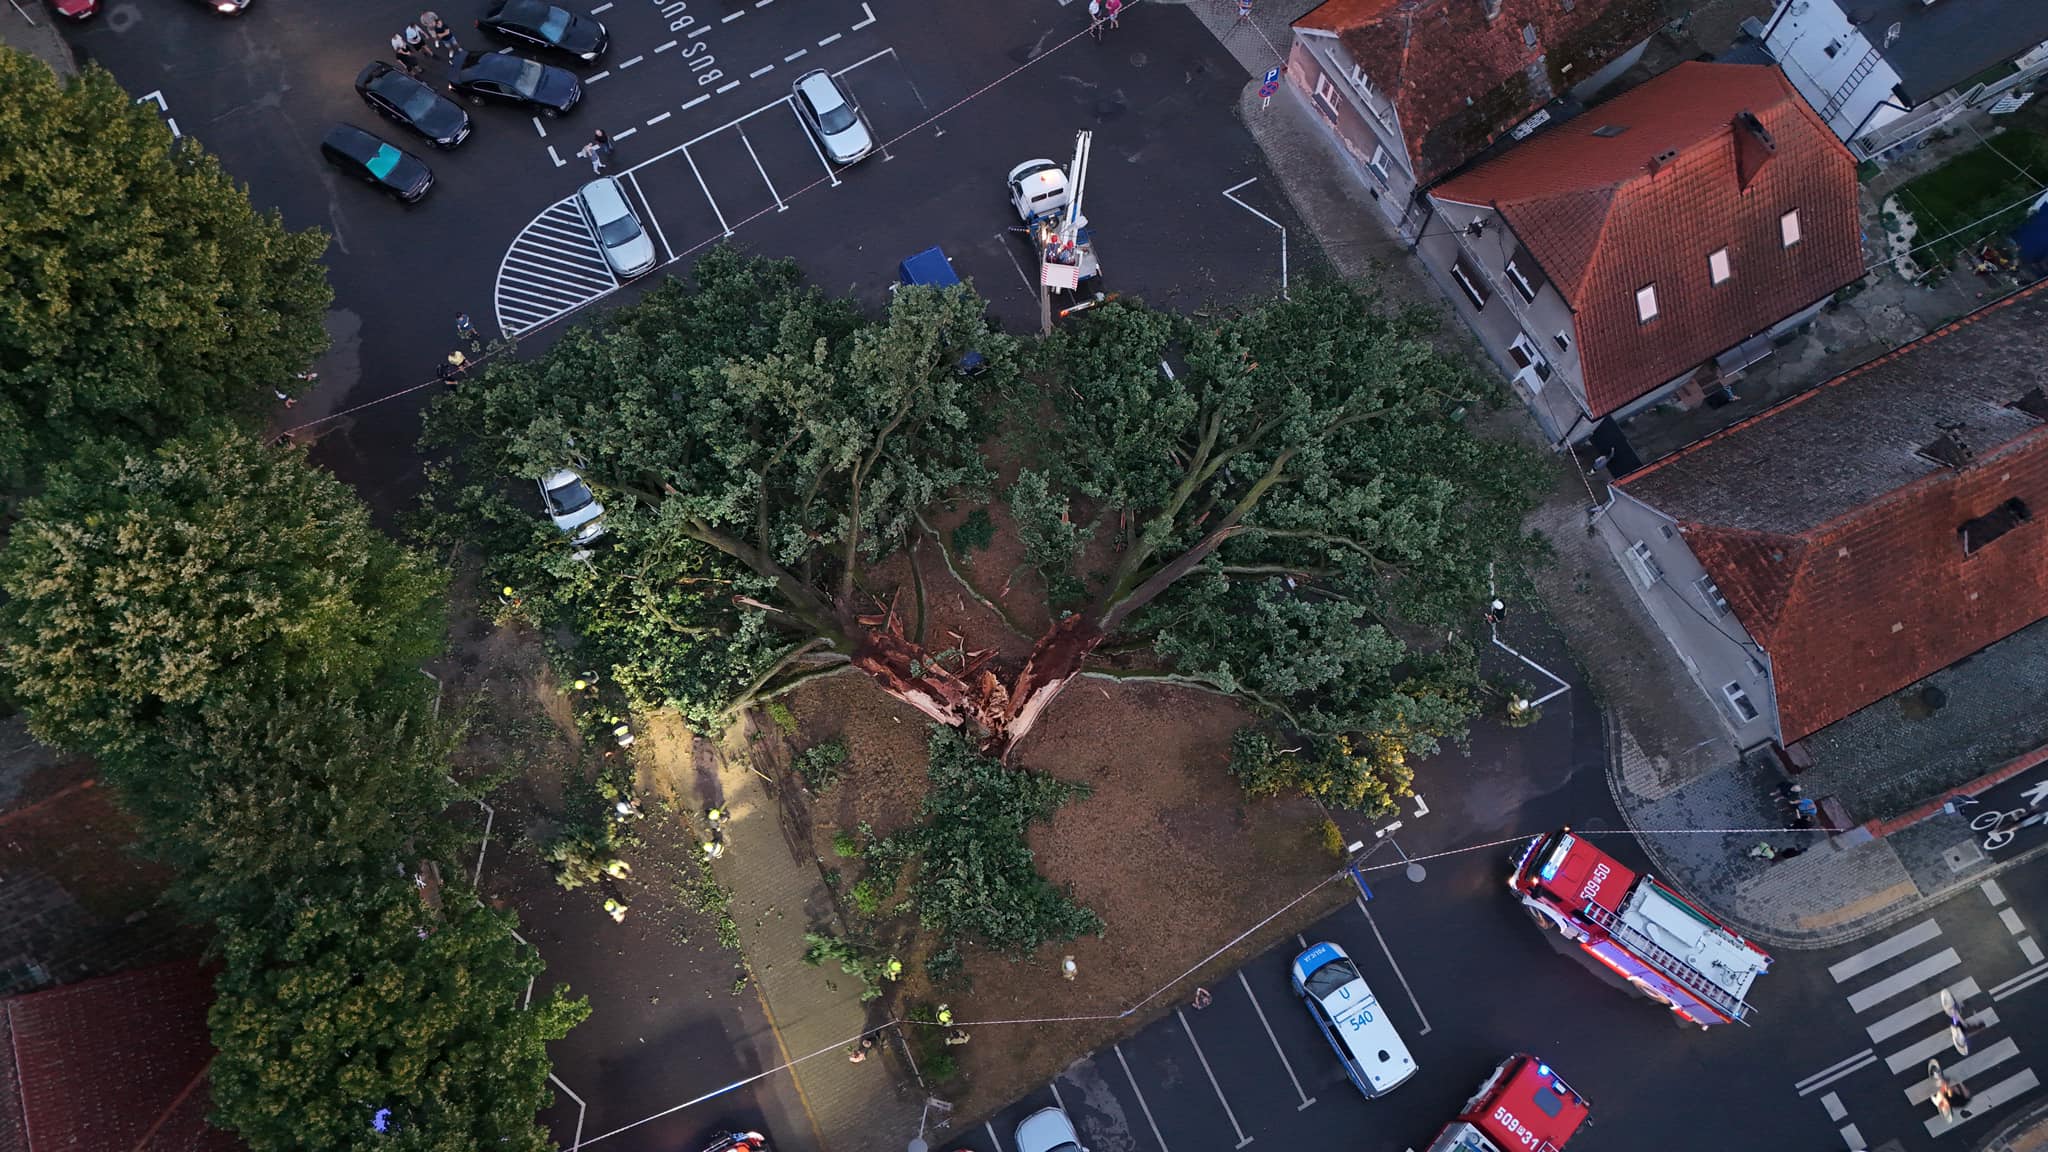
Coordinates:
column 1673, row 770
column 37, row 35
column 779, row 894
column 2029, row 1133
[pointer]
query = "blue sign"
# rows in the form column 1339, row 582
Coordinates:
column 1272, row 76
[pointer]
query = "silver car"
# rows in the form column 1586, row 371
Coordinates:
column 1048, row 1130
column 832, row 116
column 572, row 506
column 627, row 247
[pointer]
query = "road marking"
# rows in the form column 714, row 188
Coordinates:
column 2030, row 950
column 1835, row 1071
column 625, row 64
column 1142, row 1106
column 1925, row 1008
column 763, row 3
column 866, row 22
column 600, row 8
column 707, row 191
column 1985, row 1100
column 1052, row 1084
column 1833, row 1104
column 537, row 128
column 1992, row 892
column 796, row 55
column 1412, row 1001
column 1926, row 1048
column 992, row 1135
column 1896, row 945
column 1301, row 940
column 1242, row 1139
column 1306, row 1099
column 695, row 100
column 557, row 159
column 595, row 77
column 752, row 155
column 1852, row 1137
column 665, row 47
column 1421, row 809
column 763, row 70
column 729, row 17
column 829, row 39
column 1965, row 1068
column 728, row 86
column 626, row 133
column 815, row 150
column 553, row 267
column 699, row 30
column 867, row 59
column 2011, row 919
column 1892, row 985
column 1379, row 832
column 651, row 217
column 659, row 119
column 2021, row 982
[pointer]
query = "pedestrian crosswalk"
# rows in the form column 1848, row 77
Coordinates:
column 1895, row 987
column 555, row 266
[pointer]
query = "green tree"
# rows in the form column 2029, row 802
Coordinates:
column 140, row 295
column 369, row 998
column 153, row 587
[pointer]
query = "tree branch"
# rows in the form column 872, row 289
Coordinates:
column 747, row 695
column 853, row 498
column 804, row 604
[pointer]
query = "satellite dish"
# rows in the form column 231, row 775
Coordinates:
column 1893, row 33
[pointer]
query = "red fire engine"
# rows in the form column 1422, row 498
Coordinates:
column 1667, row 947
column 1522, row 1107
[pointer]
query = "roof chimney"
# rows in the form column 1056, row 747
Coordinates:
column 1658, row 161
column 1753, row 147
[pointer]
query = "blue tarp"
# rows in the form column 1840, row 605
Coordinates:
column 2032, row 237
column 928, row 267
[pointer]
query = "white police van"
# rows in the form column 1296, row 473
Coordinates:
column 1352, row 1020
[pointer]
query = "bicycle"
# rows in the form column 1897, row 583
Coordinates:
column 1941, row 1090
column 1956, row 1033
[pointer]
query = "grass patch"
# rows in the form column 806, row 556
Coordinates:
column 1987, row 181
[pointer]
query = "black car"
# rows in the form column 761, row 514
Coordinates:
column 227, row 7
column 411, row 103
column 546, row 26
column 514, row 79
column 375, row 162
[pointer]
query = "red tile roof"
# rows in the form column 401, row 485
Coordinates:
column 1603, row 221
column 1836, row 542
column 115, row 1064
column 1459, row 80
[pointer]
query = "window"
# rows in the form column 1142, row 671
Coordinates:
column 1609, row 131
column 1470, row 280
column 1646, row 303
column 1717, row 265
column 1378, row 163
column 1642, row 565
column 1524, row 353
column 1360, row 80
column 1739, row 701
column 1529, row 35
column 1326, row 97
column 1711, row 594
column 1564, row 341
column 1984, row 529
column 1492, row 8
column 1521, row 282
column 1788, row 228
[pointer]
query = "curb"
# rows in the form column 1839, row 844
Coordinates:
column 2029, row 1133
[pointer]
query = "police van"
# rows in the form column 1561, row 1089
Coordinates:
column 1352, row 1020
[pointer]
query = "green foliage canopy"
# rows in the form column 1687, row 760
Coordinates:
column 140, row 294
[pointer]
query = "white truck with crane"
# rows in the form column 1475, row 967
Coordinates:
column 1048, row 201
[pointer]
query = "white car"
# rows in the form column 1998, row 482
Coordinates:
column 1351, row 1019
column 832, row 116
column 1048, row 1130
column 627, row 247
column 572, row 506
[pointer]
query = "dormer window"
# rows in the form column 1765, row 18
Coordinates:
column 1646, row 303
column 1360, row 80
column 1521, row 282
column 1984, row 529
column 1529, row 35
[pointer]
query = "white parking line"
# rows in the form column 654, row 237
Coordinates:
column 1897, row 944
column 1833, row 1104
column 779, row 205
column 1142, row 1106
column 699, row 30
column 1052, row 1084
column 659, row 119
column 831, row 38
column 707, row 195
column 1412, row 1001
column 557, row 159
column 763, row 3
column 695, row 100
column 866, row 22
column 1306, row 1099
column 763, row 70
column 625, row 64
column 601, row 8
column 796, row 55
column 805, row 129
column 537, row 128
column 728, row 86
column 1242, row 1139
column 651, row 217
column 1835, row 1071
column 1892, row 985
column 596, row 76
column 867, row 59
column 626, row 133
column 990, row 1125
column 729, row 17
column 665, row 47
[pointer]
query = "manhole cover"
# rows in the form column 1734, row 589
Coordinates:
column 1963, row 855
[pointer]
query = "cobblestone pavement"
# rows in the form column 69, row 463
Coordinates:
column 2029, row 1133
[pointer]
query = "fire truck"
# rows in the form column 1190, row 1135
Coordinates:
column 1663, row 944
column 1522, row 1107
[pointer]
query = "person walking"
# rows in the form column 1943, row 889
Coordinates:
column 604, row 145
column 466, row 331
column 595, row 155
column 1095, row 18
column 1112, row 8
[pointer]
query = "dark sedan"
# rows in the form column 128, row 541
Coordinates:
column 406, row 101
column 546, row 26
column 527, row 83
column 373, row 161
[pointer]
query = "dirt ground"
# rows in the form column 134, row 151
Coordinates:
column 1165, row 850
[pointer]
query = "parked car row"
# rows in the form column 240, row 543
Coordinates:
column 403, row 98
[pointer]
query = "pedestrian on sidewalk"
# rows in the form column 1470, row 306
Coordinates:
column 464, row 330
column 604, row 145
column 1112, row 8
column 591, row 153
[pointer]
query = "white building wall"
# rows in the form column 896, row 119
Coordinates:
column 1822, row 54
